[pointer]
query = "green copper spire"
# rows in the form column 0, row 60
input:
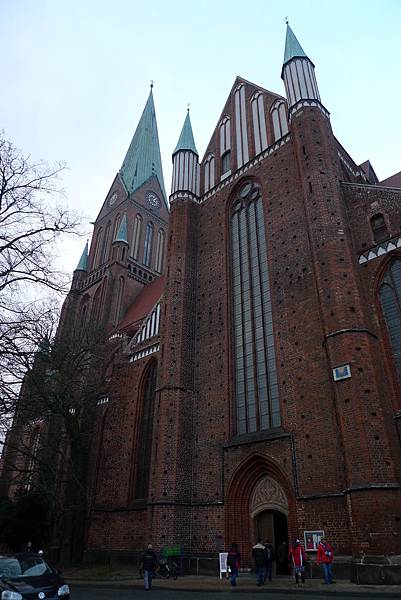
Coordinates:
column 83, row 261
column 122, row 233
column 292, row 46
column 186, row 141
column 143, row 157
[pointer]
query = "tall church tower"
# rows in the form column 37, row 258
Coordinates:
column 349, row 337
column 128, row 243
column 178, row 332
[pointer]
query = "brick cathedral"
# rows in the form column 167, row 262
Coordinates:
column 256, row 390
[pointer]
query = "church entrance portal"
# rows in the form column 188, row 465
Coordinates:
column 272, row 525
column 269, row 510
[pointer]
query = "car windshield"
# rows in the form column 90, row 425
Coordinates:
column 13, row 567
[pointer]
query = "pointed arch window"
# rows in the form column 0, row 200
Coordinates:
column 241, row 130
column 136, row 236
column 209, row 169
column 160, row 251
column 105, row 248
column 256, row 389
column 259, row 122
column 116, row 226
column 144, row 444
column 279, row 119
column 379, row 228
column 390, row 299
column 98, row 246
column 96, row 305
column 119, row 303
column 147, row 248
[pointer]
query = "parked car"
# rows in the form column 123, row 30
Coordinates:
column 29, row 577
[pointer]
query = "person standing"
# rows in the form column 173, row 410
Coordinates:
column 325, row 557
column 297, row 558
column 269, row 558
column 234, row 562
column 148, row 561
column 258, row 555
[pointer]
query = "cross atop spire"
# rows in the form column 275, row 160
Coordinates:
column 143, row 157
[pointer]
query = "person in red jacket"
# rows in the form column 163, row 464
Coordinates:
column 297, row 559
column 325, row 558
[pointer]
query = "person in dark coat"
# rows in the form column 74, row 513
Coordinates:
column 148, row 562
column 234, row 562
column 269, row 558
column 258, row 555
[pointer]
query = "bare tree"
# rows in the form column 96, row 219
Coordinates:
column 48, row 447
column 31, row 222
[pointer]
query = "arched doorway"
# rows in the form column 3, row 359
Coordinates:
column 269, row 510
column 260, row 503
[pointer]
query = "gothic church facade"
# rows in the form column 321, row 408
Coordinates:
column 256, row 391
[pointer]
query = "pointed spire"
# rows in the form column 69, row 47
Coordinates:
column 122, row 233
column 186, row 141
column 83, row 261
column 143, row 157
column 292, row 47
column 298, row 73
column 186, row 167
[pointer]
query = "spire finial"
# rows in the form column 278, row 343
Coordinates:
column 188, row 107
column 151, row 84
column 286, row 20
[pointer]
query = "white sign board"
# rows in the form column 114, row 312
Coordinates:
column 223, row 563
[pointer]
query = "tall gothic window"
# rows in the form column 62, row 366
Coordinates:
column 390, row 298
column 209, row 172
column 105, row 249
column 279, row 118
column 259, row 122
column 96, row 304
column 147, row 248
column 144, row 446
column 96, row 256
column 136, row 236
column 160, row 251
column 119, row 302
column 256, row 390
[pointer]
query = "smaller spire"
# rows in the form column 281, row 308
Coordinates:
column 186, row 140
column 292, row 47
column 122, row 234
column 83, row 261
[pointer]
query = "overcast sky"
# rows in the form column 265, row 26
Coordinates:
column 76, row 75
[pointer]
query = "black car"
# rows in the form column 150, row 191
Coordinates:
column 29, row 577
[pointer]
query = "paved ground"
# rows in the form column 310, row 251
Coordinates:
column 128, row 593
column 196, row 587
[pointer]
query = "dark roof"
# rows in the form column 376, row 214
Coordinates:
column 369, row 172
column 393, row 181
column 143, row 303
